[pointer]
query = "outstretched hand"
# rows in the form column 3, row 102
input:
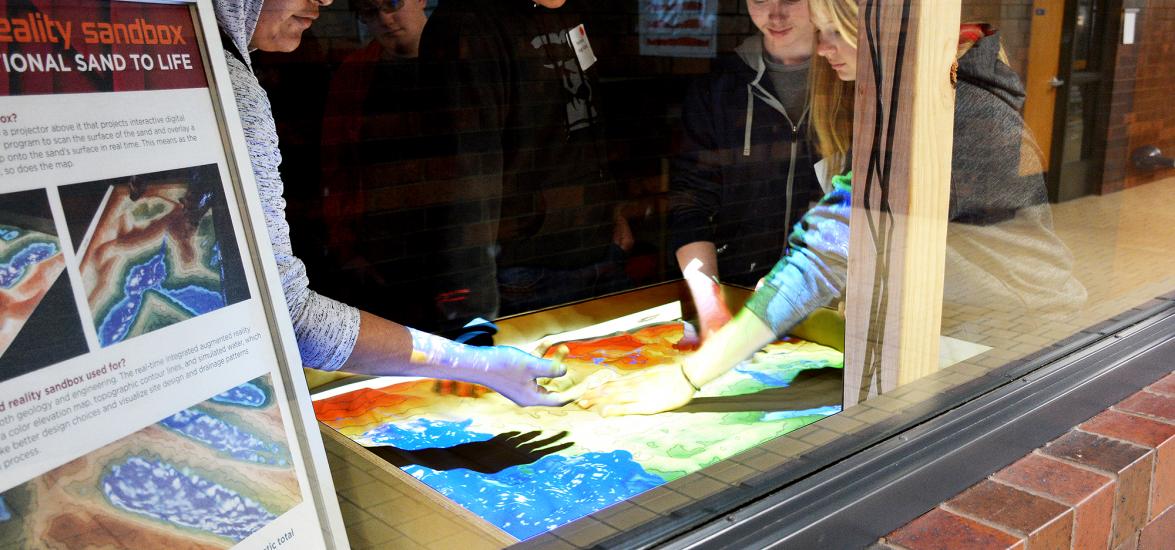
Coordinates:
column 488, row 457
column 650, row 391
column 515, row 373
column 574, row 385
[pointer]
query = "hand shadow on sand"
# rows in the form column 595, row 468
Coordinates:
column 487, row 457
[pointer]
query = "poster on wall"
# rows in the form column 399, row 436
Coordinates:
column 150, row 390
column 679, row 28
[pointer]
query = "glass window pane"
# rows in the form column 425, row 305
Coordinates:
column 619, row 177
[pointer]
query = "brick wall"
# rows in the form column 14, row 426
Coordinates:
column 1140, row 104
column 1108, row 483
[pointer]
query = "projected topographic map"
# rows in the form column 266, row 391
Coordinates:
column 30, row 262
column 151, row 261
column 463, row 447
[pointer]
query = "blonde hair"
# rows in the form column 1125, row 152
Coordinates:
column 832, row 98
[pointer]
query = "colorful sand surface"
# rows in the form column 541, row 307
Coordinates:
column 30, row 262
column 205, row 477
column 612, row 459
column 151, row 262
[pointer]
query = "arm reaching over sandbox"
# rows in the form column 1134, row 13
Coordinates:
column 668, row 387
column 381, row 351
column 809, row 276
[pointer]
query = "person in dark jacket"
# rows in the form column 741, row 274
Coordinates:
column 332, row 335
column 745, row 172
column 525, row 211
column 1001, row 247
column 370, row 144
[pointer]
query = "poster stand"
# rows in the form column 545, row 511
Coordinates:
column 151, row 389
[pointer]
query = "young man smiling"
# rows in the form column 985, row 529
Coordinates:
column 745, row 171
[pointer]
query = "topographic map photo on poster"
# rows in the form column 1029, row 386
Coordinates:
column 679, row 28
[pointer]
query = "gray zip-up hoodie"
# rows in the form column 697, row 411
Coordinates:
column 1002, row 252
column 326, row 330
column 744, row 172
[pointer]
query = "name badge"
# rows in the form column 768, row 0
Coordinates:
column 583, row 49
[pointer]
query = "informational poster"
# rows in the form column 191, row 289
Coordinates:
column 679, row 28
column 150, row 390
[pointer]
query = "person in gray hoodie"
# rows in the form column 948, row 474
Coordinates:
column 332, row 335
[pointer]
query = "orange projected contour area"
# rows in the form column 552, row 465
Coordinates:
column 647, row 347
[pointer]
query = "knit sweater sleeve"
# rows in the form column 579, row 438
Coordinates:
column 814, row 270
column 326, row 329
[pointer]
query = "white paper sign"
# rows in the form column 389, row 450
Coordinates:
column 583, row 49
column 1129, row 23
column 679, row 28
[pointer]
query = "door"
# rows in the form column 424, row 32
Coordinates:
column 1044, row 64
column 1088, row 45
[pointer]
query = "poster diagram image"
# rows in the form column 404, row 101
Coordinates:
column 39, row 323
column 528, row 470
column 205, row 477
column 154, row 250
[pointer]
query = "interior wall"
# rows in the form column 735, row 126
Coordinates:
column 1141, row 112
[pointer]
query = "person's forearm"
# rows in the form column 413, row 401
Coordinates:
column 736, row 341
column 383, row 348
column 703, row 251
column 386, row 348
column 699, row 266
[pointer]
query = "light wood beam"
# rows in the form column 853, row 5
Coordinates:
column 903, row 133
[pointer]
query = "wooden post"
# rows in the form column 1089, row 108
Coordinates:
column 903, row 133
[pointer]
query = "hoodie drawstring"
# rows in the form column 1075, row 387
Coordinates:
column 752, row 87
column 750, row 119
column 762, row 68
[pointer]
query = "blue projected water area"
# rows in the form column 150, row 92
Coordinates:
column 180, row 497
column 780, row 377
column 523, row 500
column 149, row 277
column 224, row 437
column 14, row 270
column 246, row 395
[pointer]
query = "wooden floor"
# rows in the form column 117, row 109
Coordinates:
column 1124, row 251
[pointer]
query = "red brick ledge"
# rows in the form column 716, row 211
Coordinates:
column 1107, row 484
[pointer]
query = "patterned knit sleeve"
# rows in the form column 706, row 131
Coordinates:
column 814, row 271
column 326, row 329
